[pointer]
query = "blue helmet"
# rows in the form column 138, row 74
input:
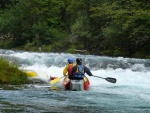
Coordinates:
column 70, row 60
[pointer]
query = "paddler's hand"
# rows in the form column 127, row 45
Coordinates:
column 52, row 78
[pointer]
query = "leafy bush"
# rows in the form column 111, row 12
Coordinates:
column 10, row 74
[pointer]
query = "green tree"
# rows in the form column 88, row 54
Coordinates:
column 32, row 20
column 126, row 21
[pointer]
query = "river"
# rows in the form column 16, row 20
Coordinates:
column 130, row 94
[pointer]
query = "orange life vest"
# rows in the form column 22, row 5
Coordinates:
column 70, row 66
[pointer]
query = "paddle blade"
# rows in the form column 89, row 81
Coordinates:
column 55, row 80
column 112, row 80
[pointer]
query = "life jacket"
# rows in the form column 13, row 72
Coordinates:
column 79, row 74
column 70, row 66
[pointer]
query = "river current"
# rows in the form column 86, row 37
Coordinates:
column 130, row 94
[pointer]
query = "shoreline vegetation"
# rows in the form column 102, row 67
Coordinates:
column 104, row 28
column 10, row 74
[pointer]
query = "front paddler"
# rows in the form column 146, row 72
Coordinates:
column 68, row 68
column 67, row 71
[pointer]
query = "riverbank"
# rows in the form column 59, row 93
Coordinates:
column 10, row 74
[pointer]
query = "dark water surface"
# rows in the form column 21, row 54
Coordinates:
column 36, row 98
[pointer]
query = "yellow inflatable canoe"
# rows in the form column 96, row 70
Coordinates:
column 31, row 73
column 37, row 76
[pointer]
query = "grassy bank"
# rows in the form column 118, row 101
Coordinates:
column 10, row 74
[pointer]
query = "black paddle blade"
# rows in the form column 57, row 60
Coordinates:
column 112, row 80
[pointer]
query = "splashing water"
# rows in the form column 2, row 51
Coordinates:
column 129, row 94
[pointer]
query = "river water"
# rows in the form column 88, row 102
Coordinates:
column 130, row 94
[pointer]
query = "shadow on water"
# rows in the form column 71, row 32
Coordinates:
column 37, row 98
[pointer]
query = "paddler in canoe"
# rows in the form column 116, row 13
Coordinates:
column 75, row 78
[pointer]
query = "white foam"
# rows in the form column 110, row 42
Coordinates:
column 135, row 73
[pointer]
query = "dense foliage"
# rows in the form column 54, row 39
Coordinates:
column 114, row 28
column 10, row 74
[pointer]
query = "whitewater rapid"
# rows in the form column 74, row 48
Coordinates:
column 130, row 94
column 127, row 71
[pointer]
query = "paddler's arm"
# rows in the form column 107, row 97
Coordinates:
column 65, row 71
column 86, row 70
